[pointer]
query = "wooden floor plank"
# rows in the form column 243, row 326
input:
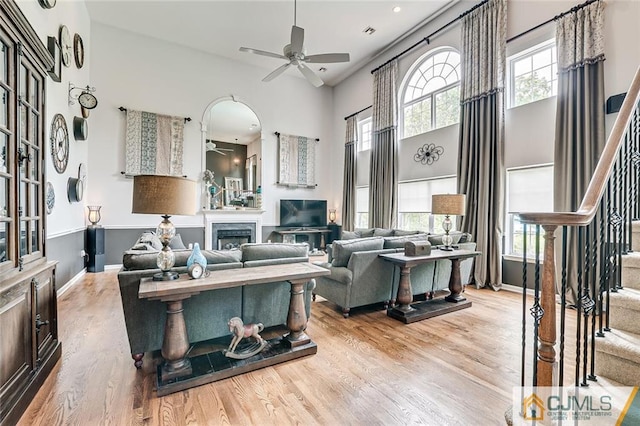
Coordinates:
column 455, row 369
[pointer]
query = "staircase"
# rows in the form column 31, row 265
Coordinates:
column 618, row 354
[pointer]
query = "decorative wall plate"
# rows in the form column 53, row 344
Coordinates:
column 59, row 140
column 50, row 197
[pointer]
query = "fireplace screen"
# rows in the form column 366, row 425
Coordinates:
column 233, row 238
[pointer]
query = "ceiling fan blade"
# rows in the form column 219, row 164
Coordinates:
column 310, row 75
column 277, row 72
column 327, row 58
column 263, row 53
column 297, row 39
column 224, row 149
column 218, row 151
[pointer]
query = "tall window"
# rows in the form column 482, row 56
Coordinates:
column 529, row 189
column 414, row 204
column 365, row 128
column 431, row 96
column 533, row 74
column 362, row 207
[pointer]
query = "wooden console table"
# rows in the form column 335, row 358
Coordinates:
column 406, row 311
column 179, row 372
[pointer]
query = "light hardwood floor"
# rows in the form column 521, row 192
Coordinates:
column 456, row 369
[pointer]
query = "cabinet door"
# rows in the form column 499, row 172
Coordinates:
column 16, row 348
column 45, row 327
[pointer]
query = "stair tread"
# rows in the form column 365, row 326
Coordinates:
column 621, row 344
column 626, row 297
column 631, row 259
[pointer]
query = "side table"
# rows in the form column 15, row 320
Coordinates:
column 95, row 249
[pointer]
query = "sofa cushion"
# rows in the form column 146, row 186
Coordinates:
column 365, row 232
column 176, row 243
column 380, row 232
column 262, row 251
column 349, row 235
column 135, row 260
column 436, row 239
column 402, row 232
column 338, row 273
column 398, row 242
column 220, row 256
column 148, row 241
column 342, row 249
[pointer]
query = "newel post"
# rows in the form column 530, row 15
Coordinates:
column 547, row 330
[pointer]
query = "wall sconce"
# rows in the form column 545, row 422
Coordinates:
column 332, row 215
column 94, row 215
column 236, row 161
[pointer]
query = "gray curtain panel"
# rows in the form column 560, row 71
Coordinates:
column 580, row 130
column 349, row 182
column 481, row 144
column 383, row 176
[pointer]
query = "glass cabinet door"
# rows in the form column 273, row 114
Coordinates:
column 7, row 182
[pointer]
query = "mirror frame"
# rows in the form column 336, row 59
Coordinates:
column 203, row 139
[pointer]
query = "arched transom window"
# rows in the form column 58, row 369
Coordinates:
column 431, row 95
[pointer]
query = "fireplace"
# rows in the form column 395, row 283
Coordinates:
column 230, row 236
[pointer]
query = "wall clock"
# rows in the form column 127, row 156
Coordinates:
column 59, row 141
column 75, row 189
column 80, row 129
column 78, row 50
column 87, row 102
column 47, row 4
column 50, row 197
column 65, row 45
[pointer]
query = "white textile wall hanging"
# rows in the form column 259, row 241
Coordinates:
column 296, row 160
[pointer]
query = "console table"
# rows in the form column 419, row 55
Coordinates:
column 289, row 235
column 179, row 372
column 406, row 311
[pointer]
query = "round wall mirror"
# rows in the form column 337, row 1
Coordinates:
column 232, row 152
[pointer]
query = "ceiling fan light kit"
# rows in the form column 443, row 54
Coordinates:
column 295, row 54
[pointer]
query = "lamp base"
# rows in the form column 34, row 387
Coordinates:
column 446, row 248
column 165, row 276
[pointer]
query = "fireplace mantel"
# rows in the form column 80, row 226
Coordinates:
column 246, row 215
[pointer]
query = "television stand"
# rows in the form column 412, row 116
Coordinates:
column 291, row 236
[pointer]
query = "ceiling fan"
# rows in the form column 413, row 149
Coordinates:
column 295, row 54
column 213, row 147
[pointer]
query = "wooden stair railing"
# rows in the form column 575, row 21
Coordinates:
column 545, row 367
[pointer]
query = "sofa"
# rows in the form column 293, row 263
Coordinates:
column 360, row 277
column 207, row 313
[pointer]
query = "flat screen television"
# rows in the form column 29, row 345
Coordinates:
column 303, row 213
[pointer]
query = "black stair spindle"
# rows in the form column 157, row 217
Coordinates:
column 524, row 304
column 594, row 295
column 578, row 303
column 536, row 310
column 563, row 305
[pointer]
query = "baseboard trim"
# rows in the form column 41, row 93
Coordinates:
column 71, row 282
column 111, row 267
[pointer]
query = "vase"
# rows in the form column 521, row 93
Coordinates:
column 197, row 257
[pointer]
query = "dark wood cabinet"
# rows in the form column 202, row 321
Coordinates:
column 29, row 345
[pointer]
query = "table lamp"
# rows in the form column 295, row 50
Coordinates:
column 166, row 196
column 447, row 204
column 94, row 215
column 332, row 215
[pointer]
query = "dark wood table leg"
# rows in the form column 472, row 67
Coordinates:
column 175, row 343
column 297, row 317
column 455, row 286
column 405, row 295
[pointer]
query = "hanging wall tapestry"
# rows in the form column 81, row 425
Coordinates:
column 297, row 160
column 154, row 144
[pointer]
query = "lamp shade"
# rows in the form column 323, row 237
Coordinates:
column 450, row 204
column 165, row 195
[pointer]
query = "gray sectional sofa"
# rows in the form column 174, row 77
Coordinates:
column 360, row 277
column 206, row 314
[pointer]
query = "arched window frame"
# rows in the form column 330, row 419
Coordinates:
column 431, row 95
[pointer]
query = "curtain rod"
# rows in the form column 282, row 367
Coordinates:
column 433, row 34
column 278, row 135
column 123, row 109
column 555, row 18
column 357, row 112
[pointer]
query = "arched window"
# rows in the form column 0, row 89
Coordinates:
column 431, row 93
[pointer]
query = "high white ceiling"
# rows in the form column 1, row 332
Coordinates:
column 222, row 27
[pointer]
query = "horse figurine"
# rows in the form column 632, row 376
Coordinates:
column 240, row 331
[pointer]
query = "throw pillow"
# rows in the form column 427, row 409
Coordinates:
column 401, row 232
column 148, row 241
column 342, row 249
column 436, row 239
column 176, row 243
column 465, row 238
column 380, row 232
column 398, row 242
column 365, row 233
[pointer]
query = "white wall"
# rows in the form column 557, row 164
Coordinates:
column 147, row 74
column 529, row 129
column 66, row 217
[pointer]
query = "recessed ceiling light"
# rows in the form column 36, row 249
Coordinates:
column 322, row 69
column 397, row 9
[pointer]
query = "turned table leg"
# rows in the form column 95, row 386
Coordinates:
column 297, row 317
column 455, row 286
column 175, row 344
column 405, row 296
